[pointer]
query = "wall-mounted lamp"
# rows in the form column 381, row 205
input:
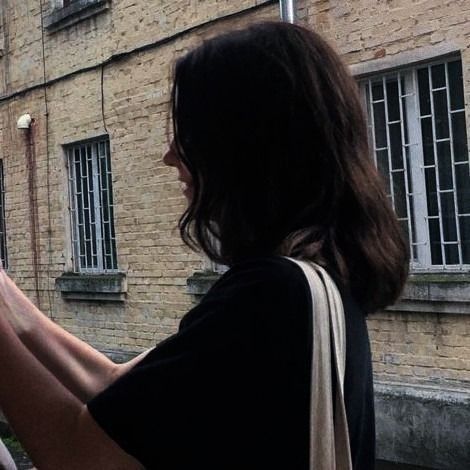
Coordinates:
column 24, row 121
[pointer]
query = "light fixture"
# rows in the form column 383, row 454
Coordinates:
column 24, row 121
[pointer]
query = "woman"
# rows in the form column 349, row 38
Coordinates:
column 271, row 146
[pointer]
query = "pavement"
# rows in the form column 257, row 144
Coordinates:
column 24, row 463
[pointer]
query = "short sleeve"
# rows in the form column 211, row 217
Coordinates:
column 203, row 393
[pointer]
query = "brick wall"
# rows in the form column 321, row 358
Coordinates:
column 148, row 199
column 419, row 348
column 407, row 346
column 431, row 348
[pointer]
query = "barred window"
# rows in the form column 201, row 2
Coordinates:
column 91, row 206
column 418, row 135
column 3, row 235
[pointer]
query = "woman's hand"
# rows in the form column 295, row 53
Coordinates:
column 53, row 425
column 48, row 376
column 16, row 305
column 79, row 367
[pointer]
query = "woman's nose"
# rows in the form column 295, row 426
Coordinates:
column 170, row 158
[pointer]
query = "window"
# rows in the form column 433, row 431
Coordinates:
column 69, row 12
column 418, row 136
column 91, row 206
column 3, row 236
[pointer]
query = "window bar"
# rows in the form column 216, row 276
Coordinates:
column 436, row 167
column 105, row 207
column 107, row 217
column 86, row 178
column 84, row 198
column 74, row 203
column 97, row 208
column 109, row 188
column 364, row 90
column 452, row 159
column 72, row 208
column 78, row 194
column 110, row 206
column 101, row 204
column 420, row 209
column 79, row 180
column 405, row 166
column 389, row 150
column 372, row 121
column 91, row 207
column 82, row 231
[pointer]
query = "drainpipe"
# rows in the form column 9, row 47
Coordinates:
column 287, row 10
column 27, row 126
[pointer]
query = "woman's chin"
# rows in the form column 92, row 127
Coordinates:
column 188, row 192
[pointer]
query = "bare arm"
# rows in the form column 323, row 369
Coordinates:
column 80, row 368
column 54, row 426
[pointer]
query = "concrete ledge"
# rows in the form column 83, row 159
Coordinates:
column 77, row 11
column 404, row 59
column 91, row 287
column 423, row 425
column 436, row 293
column 200, row 282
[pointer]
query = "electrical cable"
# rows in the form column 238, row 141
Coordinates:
column 123, row 55
column 50, row 298
column 102, row 100
column 111, row 59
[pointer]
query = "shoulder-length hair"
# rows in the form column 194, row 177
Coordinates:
column 270, row 124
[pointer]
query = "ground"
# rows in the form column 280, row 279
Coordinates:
column 23, row 462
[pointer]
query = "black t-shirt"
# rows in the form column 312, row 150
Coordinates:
column 230, row 390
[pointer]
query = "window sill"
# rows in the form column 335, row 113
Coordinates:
column 200, row 282
column 77, row 11
column 110, row 287
column 435, row 293
column 423, row 293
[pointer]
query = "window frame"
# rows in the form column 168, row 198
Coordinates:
column 98, row 242
column 410, row 116
column 63, row 16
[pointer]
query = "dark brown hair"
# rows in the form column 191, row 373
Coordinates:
column 269, row 123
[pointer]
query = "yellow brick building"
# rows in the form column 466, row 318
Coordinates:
column 89, row 213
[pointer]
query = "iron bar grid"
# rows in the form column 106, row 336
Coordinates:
column 91, row 207
column 431, row 193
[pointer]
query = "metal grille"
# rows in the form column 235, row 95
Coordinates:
column 91, row 207
column 418, row 133
column 3, row 235
column 66, row 3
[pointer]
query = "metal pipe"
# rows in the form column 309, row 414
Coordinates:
column 31, row 166
column 287, row 10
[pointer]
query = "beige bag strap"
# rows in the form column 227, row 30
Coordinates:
column 329, row 437
column 6, row 460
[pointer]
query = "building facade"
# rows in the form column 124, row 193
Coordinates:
column 88, row 211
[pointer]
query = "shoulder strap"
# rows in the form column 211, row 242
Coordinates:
column 6, row 461
column 329, row 437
